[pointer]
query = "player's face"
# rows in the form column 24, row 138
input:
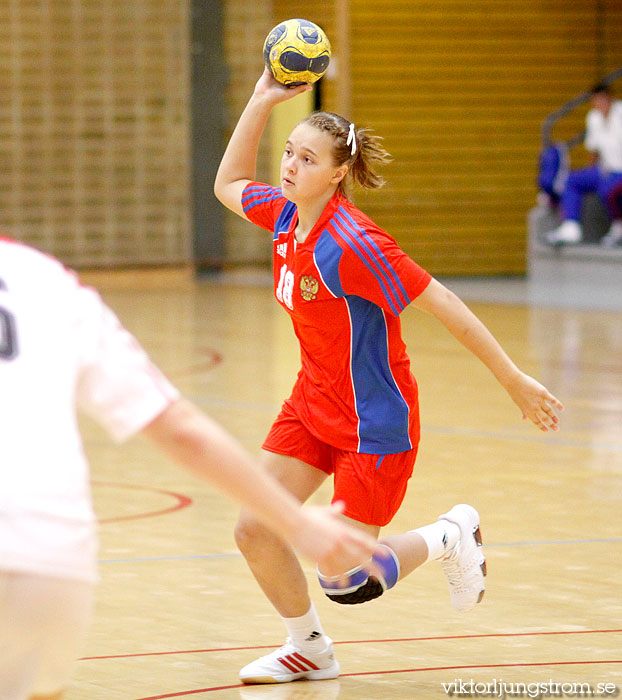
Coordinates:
column 601, row 102
column 308, row 171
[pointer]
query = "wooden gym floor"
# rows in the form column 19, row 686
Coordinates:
column 177, row 611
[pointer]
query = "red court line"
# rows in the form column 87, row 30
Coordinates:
column 182, row 502
column 214, row 359
column 404, row 670
column 192, row 692
column 356, row 641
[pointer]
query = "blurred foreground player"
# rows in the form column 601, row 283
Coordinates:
column 353, row 411
column 61, row 348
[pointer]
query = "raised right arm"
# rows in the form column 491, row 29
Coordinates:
column 239, row 162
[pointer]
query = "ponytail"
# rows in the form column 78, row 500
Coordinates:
column 358, row 148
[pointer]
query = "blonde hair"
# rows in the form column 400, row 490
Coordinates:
column 368, row 150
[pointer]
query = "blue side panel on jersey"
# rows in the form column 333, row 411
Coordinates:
column 382, row 411
column 327, row 255
column 285, row 219
column 375, row 260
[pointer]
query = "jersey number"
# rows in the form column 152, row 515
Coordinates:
column 8, row 335
column 285, row 287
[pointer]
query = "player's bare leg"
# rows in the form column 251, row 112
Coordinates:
column 56, row 696
column 273, row 562
column 307, row 652
column 411, row 550
column 454, row 540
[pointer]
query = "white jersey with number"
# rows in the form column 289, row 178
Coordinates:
column 60, row 348
column 604, row 136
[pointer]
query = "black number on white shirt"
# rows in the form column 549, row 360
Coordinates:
column 8, row 335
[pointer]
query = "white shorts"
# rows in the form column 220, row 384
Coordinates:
column 43, row 623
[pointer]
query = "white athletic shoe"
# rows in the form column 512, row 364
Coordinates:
column 568, row 233
column 464, row 564
column 291, row 664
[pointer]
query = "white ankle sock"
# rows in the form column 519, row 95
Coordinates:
column 439, row 537
column 306, row 631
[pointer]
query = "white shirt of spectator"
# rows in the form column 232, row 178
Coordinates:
column 604, row 136
column 66, row 348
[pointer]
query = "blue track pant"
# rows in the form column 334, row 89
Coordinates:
column 607, row 185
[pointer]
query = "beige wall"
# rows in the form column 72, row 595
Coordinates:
column 94, row 129
column 246, row 25
column 94, row 120
column 459, row 89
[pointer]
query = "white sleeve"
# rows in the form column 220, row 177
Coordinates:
column 118, row 385
column 593, row 127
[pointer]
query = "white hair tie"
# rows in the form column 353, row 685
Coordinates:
column 351, row 139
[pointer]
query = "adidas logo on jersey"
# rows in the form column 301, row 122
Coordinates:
column 281, row 249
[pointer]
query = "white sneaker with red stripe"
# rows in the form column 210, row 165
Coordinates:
column 464, row 564
column 289, row 663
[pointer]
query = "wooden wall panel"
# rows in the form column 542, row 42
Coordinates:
column 459, row 89
column 611, row 11
column 94, row 129
column 94, row 121
column 246, row 27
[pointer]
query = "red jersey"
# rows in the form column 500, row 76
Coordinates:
column 344, row 288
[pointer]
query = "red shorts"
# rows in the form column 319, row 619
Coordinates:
column 371, row 486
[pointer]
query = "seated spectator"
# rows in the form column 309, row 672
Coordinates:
column 603, row 138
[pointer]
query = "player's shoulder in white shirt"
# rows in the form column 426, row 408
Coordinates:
column 66, row 322
column 61, row 348
column 604, row 135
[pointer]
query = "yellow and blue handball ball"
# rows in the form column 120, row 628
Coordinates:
column 297, row 51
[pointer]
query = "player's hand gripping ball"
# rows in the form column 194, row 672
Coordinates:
column 296, row 52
